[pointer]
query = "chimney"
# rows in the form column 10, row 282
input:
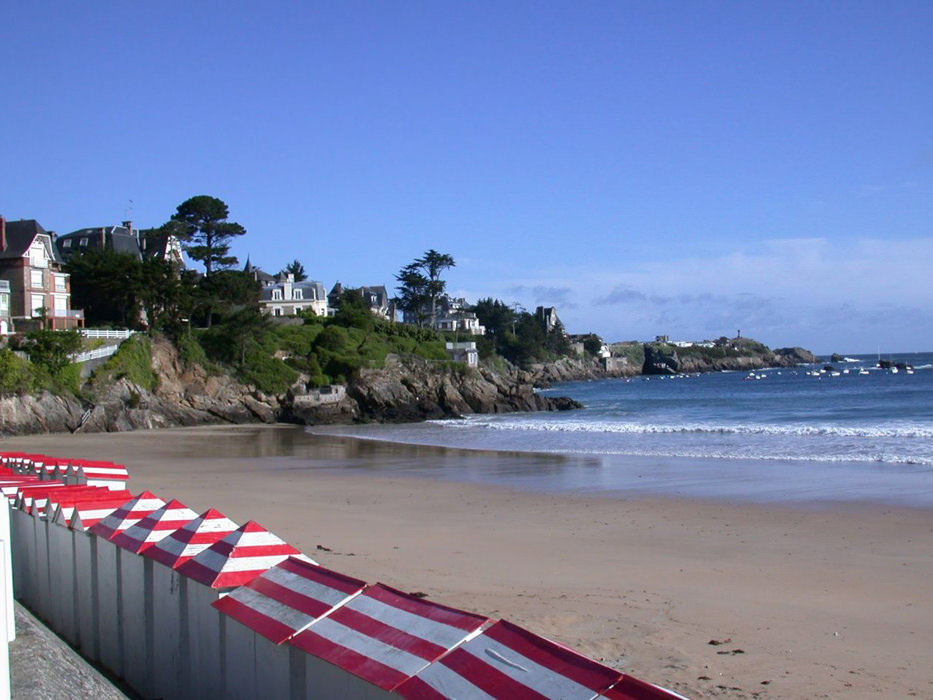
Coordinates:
column 2, row 234
column 128, row 225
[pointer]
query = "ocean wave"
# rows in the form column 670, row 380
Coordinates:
column 903, row 431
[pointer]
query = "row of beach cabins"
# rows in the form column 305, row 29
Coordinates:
column 182, row 605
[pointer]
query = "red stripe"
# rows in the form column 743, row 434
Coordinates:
column 268, row 627
column 417, row 689
column 290, row 597
column 343, row 583
column 488, row 678
column 558, row 658
column 387, row 634
column 366, row 668
column 633, row 689
column 433, row 611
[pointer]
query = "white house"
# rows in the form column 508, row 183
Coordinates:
column 286, row 297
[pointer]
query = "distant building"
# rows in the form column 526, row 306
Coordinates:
column 39, row 291
column 286, row 297
column 548, row 314
column 459, row 321
column 124, row 239
column 376, row 297
column 6, row 323
column 465, row 352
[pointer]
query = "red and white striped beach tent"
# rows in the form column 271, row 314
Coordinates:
column 630, row 688
column 508, row 662
column 127, row 515
column 268, row 611
column 108, row 597
column 97, row 473
column 80, row 514
column 377, row 640
column 231, row 562
column 166, row 599
column 136, row 581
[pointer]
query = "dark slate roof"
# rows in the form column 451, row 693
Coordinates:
column 311, row 291
column 117, row 238
column 20, row 235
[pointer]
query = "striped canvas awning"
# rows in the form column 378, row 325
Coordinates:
column 83, row 515
column 192, row 539
column 385, row 636
column 127, row 515
column 238, row 558
column 285, row 599
column 633, row 689
column 508, row 662
column 92, row 470
column 154, row 527
column 60, row 509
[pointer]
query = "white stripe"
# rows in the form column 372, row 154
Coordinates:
column 213, row 525
column 371, row 648
column 436, row 632
column 278, row 611
column 257, row 539
column 223, row 564
column 451, row 684
column 101, row 470
column 306, row 587
column 527, row 672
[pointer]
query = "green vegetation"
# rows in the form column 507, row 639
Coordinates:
column 519, row 336
column 420, row 285
column 132, row 361
column 49, row 367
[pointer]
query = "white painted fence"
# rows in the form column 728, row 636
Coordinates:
column 95, row 333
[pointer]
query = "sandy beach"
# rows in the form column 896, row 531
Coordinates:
column 708, row 598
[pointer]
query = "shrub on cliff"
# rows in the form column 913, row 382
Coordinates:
column 132, row 361
column 16, row 375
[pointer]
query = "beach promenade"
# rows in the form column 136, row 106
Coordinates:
column 710, row 599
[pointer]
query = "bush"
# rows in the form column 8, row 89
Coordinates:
column 266, row 373
column 132, row 361
column 16, row 374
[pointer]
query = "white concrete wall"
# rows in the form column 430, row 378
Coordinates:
column 110, row 599
column 255, row 667
column 61, row 601
column 324, row 680
column 137, row 620
column 87, row 607
column 166, row 657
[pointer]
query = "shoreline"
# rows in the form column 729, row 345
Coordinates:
column 828, row 601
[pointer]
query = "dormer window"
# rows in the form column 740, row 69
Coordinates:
column 276, row 295
column 296, row 294
column 66, row 243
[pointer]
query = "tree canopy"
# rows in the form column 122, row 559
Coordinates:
column 294, row 268
column 201, row 223
column 421, row 285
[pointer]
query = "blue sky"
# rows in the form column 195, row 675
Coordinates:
column 680, row 168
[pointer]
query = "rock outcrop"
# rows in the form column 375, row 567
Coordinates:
column 409, row 389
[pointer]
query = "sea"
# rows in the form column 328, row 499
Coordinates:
column 855, row 432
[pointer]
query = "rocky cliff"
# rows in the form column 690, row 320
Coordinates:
column 663, row 358
column 407, row 389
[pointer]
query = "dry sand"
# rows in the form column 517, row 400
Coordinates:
column 803, row 603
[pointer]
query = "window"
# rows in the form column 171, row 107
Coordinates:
column 276, row 295
column 83, row 243
column 296, row 294
column 60, row 283
column 35, row 278
column 66, row 243
column 38, row 302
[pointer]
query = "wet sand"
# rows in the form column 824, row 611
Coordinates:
column 805, row 602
